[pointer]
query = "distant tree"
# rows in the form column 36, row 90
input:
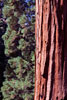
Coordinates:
column 19, row 41
column 51, row 50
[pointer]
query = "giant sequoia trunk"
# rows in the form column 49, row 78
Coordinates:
column 51, row 50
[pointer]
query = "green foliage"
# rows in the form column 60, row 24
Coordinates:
column 22, row 20
column 19, row 44
column 8, row 11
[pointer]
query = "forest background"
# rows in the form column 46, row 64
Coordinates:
column 17, row 48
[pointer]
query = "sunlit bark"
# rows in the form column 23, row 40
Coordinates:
column 51, row 50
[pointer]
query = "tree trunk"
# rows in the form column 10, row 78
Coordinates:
column 51, row 50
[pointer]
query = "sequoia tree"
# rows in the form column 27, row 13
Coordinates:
column 51, row 50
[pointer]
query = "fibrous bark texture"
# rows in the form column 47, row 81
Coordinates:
column 51, row 50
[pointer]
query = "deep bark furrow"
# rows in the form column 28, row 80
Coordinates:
column 51, row 56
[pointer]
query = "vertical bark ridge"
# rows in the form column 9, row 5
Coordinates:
column 45, row 50
column 38, row 37
column 51, row 56
column 37, row 67
column 44, row 36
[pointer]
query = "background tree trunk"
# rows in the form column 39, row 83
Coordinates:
column 51, row 50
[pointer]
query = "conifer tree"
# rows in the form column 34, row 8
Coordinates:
column 19, row 44
column 51, row 50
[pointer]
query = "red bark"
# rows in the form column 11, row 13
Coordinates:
column 51, row 50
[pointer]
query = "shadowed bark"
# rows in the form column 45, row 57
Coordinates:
column 51, row 50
